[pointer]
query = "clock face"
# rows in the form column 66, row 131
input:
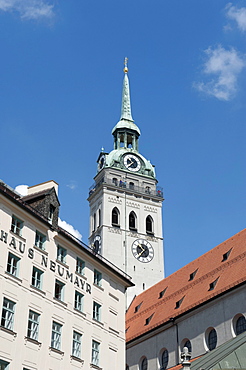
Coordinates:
column 101, row 163
column 96, row 245
column 142, row 250
column 132, row 162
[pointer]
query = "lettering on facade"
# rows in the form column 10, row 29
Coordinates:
column 150, row 209
column 114, row 200
column 133, row 205
column 114, row 230
column 45, row 262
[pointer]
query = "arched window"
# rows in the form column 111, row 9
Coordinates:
column 132, row 221
column 144, row 364
column 131, row 185
column 187, row 344
column 164, row 360
column 99, row 218
column 212, row 339
column 147, row 189
column 240, row 325
column 149, row 225
column 94, row 222
column 115, row 217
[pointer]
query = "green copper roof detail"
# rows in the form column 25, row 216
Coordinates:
column 126, row 102
column 126, row 121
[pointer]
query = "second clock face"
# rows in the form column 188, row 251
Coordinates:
column 132, row 162
column 96, row 245
column 142, row 250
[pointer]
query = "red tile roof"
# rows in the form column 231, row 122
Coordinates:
column 212, row 274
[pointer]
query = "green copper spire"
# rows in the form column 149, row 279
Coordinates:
column 126, row 103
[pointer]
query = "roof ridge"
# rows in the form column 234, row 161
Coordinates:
column 191, row 284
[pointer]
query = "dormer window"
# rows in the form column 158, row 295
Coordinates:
column 161, row 294
column 51, row 213
column 213, row 284
column 138, row 307
column 192, row 275
column 147, row 321
column 178, row 303
column 226, row 255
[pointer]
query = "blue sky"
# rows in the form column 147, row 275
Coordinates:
column 61, row 79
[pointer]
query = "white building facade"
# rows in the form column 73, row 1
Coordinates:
column 62, row 307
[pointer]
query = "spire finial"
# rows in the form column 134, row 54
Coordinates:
column 126, row 103
column 125, row 63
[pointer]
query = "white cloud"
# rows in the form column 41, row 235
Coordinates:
column 72, row 185
column 70, row 229
column 28, row 9
column 21, row 189
column 223, row 67
column 238, row 15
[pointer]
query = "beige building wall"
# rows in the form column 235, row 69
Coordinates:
column 16, row 346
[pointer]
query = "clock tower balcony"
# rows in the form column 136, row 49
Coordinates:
column 155, row 192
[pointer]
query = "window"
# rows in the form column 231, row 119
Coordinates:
column 51, row 213
column 33, row 325
column 96, row 311
column 164, row 359
column 40, row 240
column 94, row 222
column 59, row 290
column 149, row 225
column 240, row 325
column 161, row 294
column 76, row 350
column 138, row 307
column 132, row 221
column 95, row 353
column 61, row 254
column 213, row 284
column 13, row 264
column 212, row 339
column 178, row 303
column 192, row 275
column 131, row 185
column 188, row 345
column 226, row 255
column 78, row 301
column 4, row 365
column 115, row 181
column 37, row 278
column 56, row 335
column 80, row 266
column 144, row 364
column 147, row 321
column 7, row 320
column 147, row 189
column 16, row 225
column 99, row 218
column 97, row 278
column 115, row 217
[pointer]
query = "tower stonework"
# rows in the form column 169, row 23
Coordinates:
column 126, row 206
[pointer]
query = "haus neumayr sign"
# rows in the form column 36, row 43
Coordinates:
column 16, row 244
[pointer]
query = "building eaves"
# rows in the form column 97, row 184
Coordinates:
column 210, row 268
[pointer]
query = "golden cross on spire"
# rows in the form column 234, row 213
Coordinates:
column 125, row 63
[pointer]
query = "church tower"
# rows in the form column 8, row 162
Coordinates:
column 126, row 205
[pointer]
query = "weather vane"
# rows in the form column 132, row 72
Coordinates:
column 125, row 63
